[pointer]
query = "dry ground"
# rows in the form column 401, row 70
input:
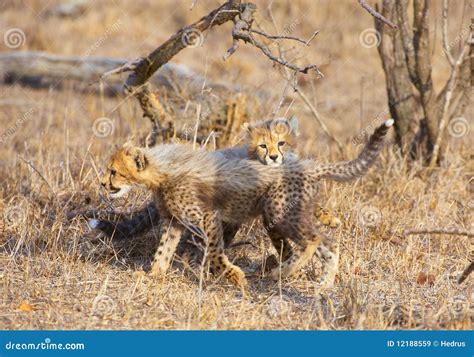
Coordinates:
column 57, row 274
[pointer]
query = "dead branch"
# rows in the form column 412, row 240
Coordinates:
column 143, row 68
column 469, row 269
column 448, row 231
column 291, row 80
column 377, row 15
column 317, row 117
column 242, row 31
column 281, row 37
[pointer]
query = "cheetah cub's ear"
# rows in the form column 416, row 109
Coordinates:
column 294, row 125
column 246, row 127
column 136, row 154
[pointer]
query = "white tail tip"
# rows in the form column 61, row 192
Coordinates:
column 93, row 223
column 389, row 122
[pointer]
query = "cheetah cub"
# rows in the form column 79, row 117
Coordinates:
column 271, row 142
column 198, row 190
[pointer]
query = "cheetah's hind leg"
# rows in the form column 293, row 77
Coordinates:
column 330, row 263
column 296, row 261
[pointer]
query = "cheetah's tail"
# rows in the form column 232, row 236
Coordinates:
column 348, row 170
column 140, row 223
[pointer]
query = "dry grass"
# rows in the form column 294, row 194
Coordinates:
column 71, row 279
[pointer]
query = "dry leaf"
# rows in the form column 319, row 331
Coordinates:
column 424, row 278
column 25, row 307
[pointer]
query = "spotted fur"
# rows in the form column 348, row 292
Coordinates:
column 271, row 142
column 198, row 190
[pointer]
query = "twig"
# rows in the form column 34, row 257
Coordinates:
column 447, row 101
column 452, row 231
column 282, row 37
column 238, row 244
column 317, row 117
column 127, row 67
column 242, row 31
column 40, row 175
column 377, row 15
column 445, row 34
column 469, row 269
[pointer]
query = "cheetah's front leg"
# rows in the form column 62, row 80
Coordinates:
column 212, row 226
column 171, row 234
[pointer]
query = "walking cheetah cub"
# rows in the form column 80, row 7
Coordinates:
column 198, row 190
column 271, row 142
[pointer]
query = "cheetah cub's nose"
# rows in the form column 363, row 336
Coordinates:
column 274, row 157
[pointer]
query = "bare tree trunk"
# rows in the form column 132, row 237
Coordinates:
column 401, row 100
column 406, row 60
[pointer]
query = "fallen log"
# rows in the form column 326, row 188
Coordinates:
column 45, row 70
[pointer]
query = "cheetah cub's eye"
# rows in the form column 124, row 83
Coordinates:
column 281, row 143
column 112, row 172
column 263, row 146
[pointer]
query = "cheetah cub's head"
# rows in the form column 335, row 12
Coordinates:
column 123, row 170
column 272, row 141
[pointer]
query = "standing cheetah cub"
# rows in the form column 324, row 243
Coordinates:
column 271, row 142
column 198, row 190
